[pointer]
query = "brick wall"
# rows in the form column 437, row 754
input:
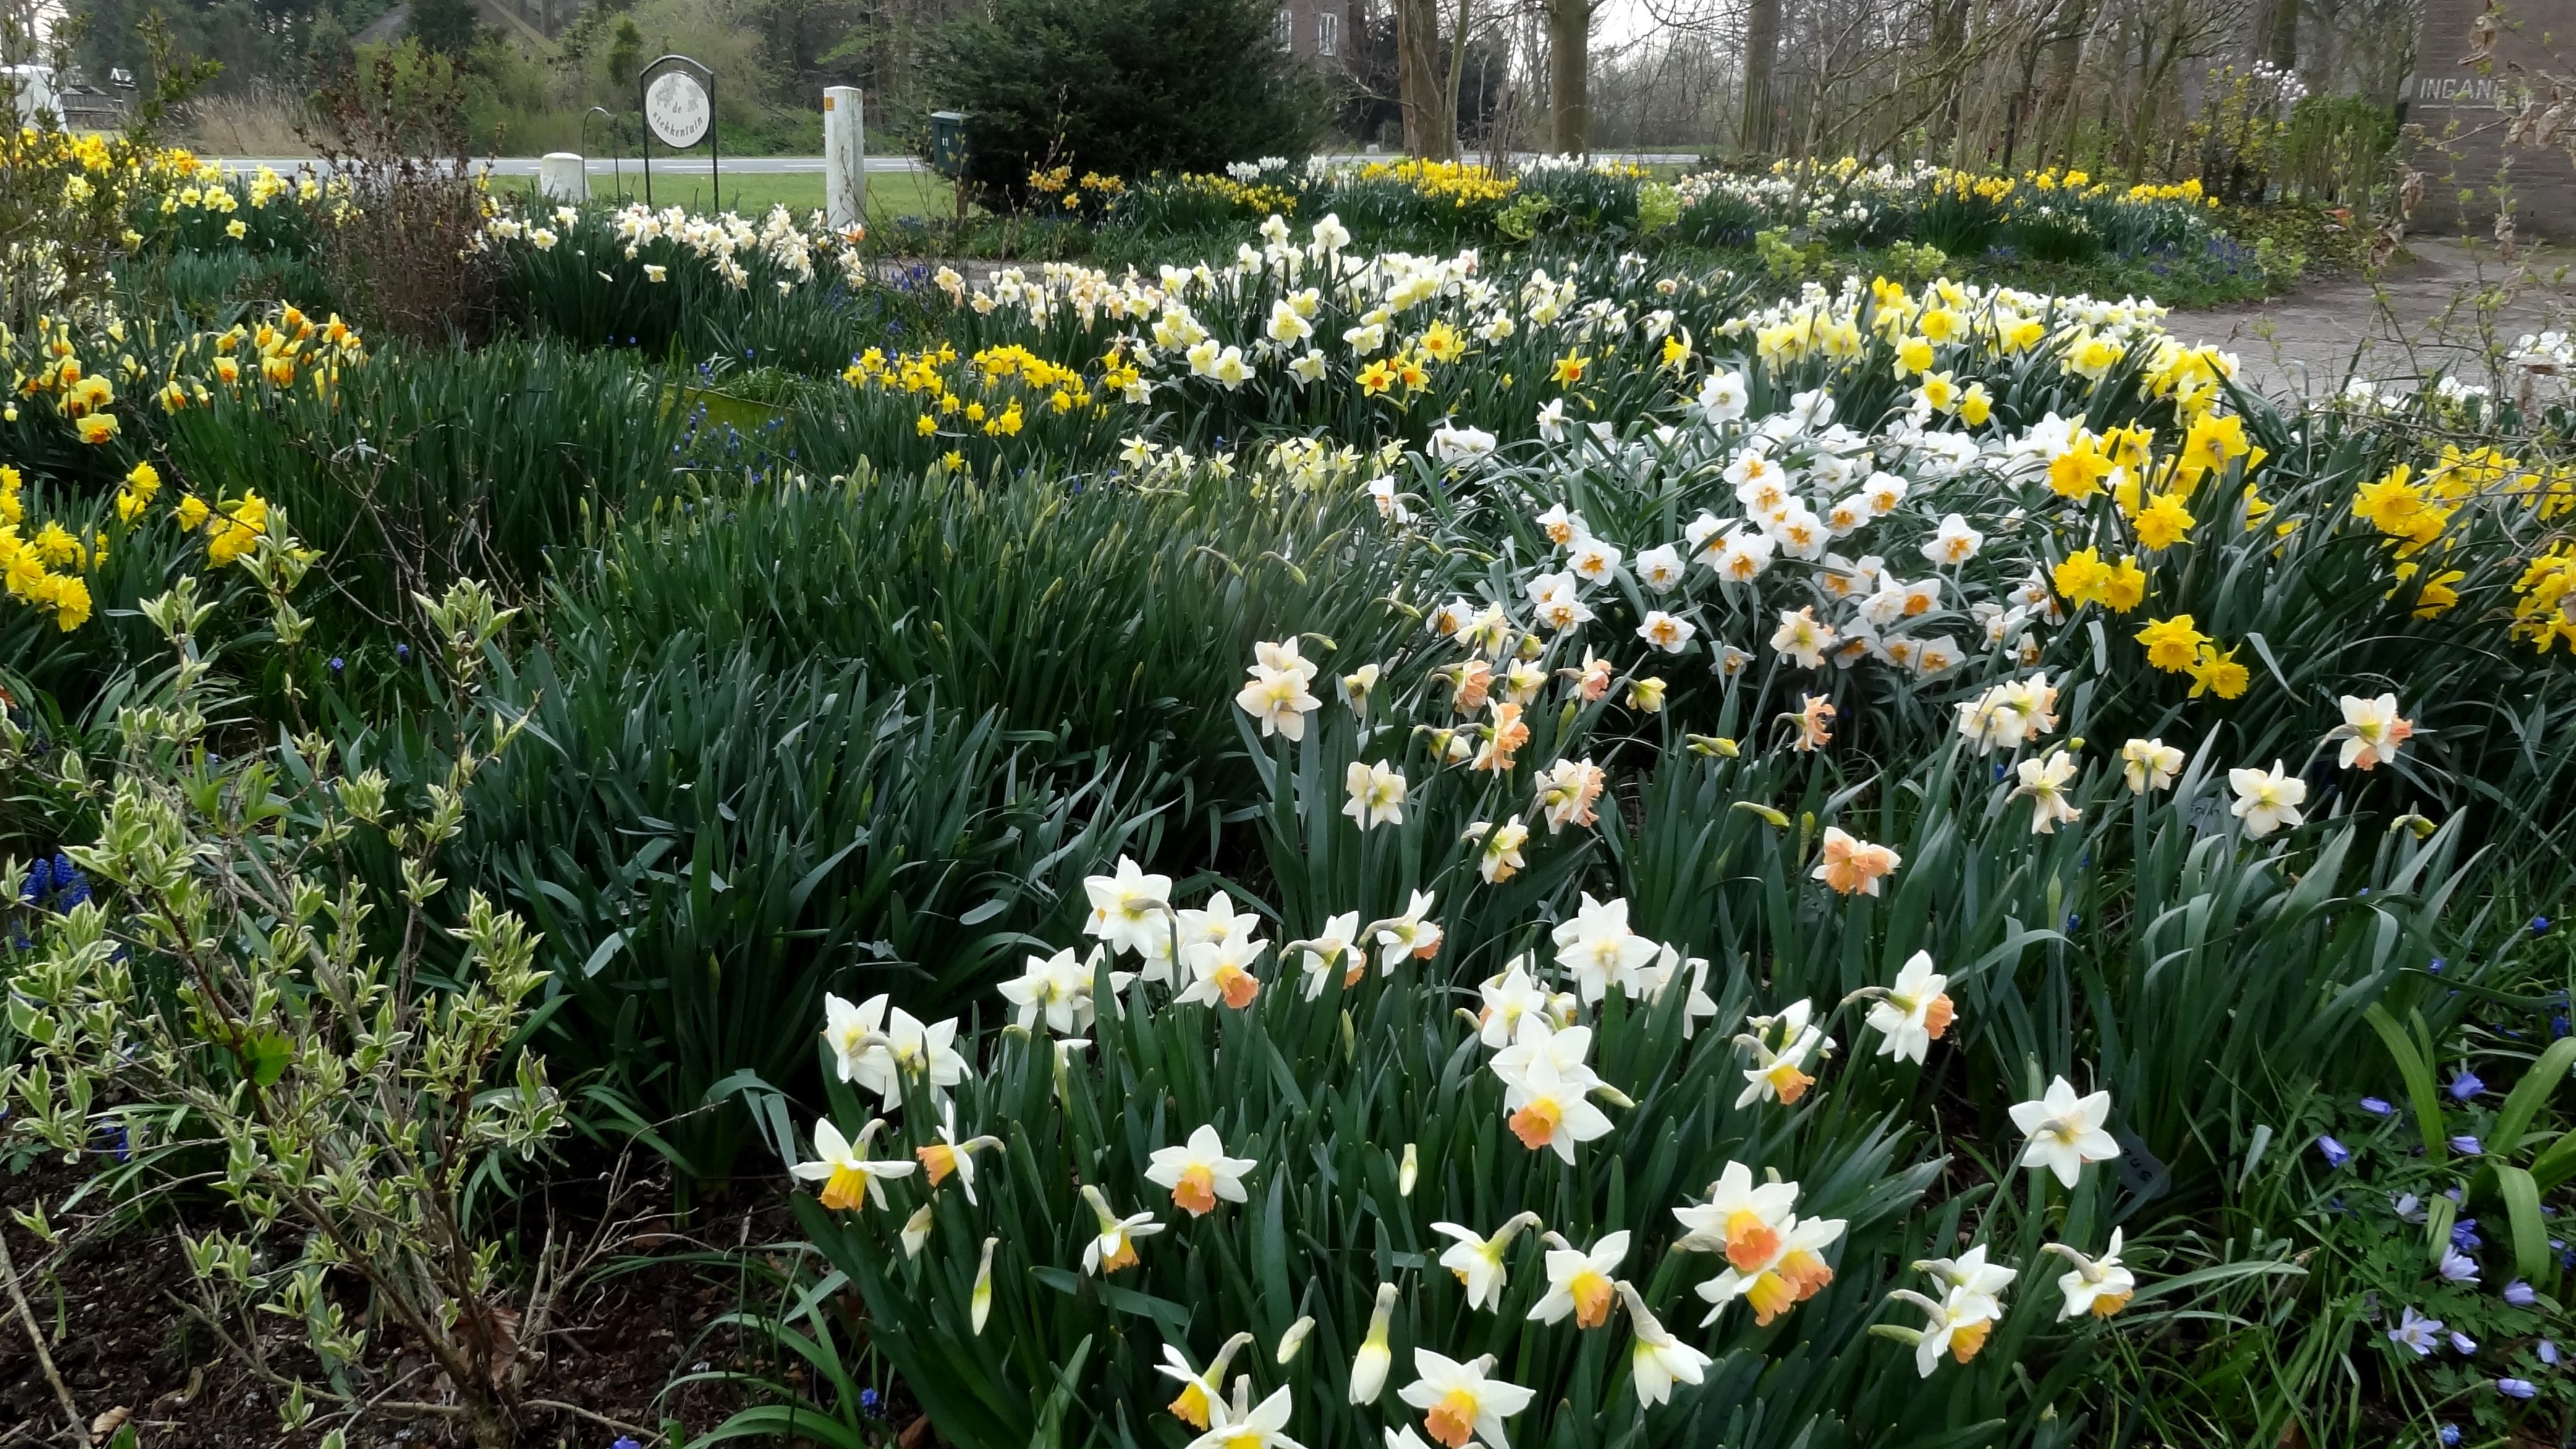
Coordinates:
column 2457, row 108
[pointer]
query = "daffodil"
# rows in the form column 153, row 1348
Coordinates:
column 2149, row 765
column 856, row 1035
column 1057, row 990
column 1580, row 1281
column 1131, row 910
column 1912, row 1014
column 1199, row 1173
column 1221, row 971
column 1337, row 945
column 979, row 1299
column 1409, row 934
column 1461, row 1402
column 1477, row 1260
column 1376, row 794
column 2044, row 780
column 1114, row 1246
column 1657, row 1360
column 1779, row 1072
column 2266, row 801
column 1853, row 866
column 2065, row 1130
column 1499, row 856
column 849, row 1176
column 949, row 1157
column 1803, row 637
column 1774, row 1257
column 2371, row 731
column 1959, row 1324
column 1546, row 1087
column 1599, row 950
column 1201, row 1391
column 2098, row 1287
column 1259, row 1426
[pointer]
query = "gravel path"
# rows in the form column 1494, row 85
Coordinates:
column 2436, row 309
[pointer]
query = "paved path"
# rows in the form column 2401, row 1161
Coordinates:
column 2440, row 309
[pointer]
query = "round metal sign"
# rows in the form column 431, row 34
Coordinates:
column 676, row 107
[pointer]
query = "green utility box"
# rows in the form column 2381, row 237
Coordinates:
column 948, row 143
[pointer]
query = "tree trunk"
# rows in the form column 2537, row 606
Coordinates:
column 1949, row 49
column 1761, row 59
column 1430, row 119
column 1569, row 76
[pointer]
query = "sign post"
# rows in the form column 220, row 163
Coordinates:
column 678, row 98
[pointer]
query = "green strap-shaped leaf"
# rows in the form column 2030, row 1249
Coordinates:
column 2522, row 1209
column 2531, row 1093
column 2418, row 1076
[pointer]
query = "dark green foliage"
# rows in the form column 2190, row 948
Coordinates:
column 1124, row 87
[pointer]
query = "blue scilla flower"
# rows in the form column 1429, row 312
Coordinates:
column 2464, row 1235
column 2449, row 1434
column 2335, row 1153
column 871, row 1403
column 2520, row 1294
column 2377, row 1106
column 2466, row 1084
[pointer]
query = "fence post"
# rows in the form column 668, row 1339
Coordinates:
column 845, row 157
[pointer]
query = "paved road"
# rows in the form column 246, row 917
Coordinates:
column 2442, row 309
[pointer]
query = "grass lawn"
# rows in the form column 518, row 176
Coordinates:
column 890, row 193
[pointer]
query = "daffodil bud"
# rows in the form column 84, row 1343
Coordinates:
column 1776, row 819
column 1369, row 1366
column 981, row 1300
column 1294, row 1339
column 916, row 1231
column 1405, row 1174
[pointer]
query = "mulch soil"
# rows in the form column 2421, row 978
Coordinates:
column 110, row 1301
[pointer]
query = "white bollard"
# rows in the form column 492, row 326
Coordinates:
column 560, row 177
column 845, row 158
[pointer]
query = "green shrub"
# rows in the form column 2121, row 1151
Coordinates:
column 1124, row 87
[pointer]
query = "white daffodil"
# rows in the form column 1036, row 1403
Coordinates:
column 2065, row 1131
column 1199, row 1172
column 856, row 1035
column 1409, row 934
column 2266, row 802
column 1261, row 1426
column 1131, row 910
column 1057, row 990
column 1667, row 632
column 1201, row 1392
column 1803, row 637
column 1580, row 1282
column 1659, row 568
column 2099, row 1287
column 1376, row 794
column 1658, row 1360
column 849, row 1176
column 1912, row 1014
column 2044, row 780
column 1221, row 971
column 1599, row 950
column 2371, row 731
column 1460, row 1402
column 2149, row 765
column 1114, row 1246
column 916, row 1230
column 1508, row 998
column 1336, row 946
column 1478, row 1260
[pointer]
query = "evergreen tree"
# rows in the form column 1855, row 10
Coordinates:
column 1124, row 87
column 449, row 27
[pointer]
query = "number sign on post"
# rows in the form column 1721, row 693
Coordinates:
column 678, row 98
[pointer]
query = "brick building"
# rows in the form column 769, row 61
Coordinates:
column 2464, row 110
column 1321, row 29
